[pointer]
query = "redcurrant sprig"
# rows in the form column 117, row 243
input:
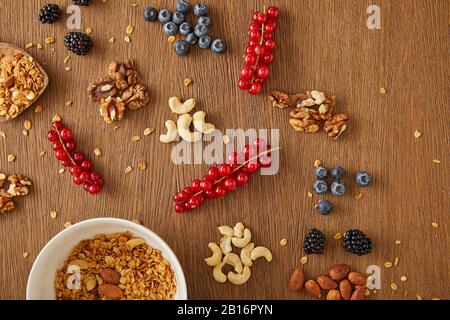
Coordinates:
column 259, row 52
column 226, row 177
column 79, row 167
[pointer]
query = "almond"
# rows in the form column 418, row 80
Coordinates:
column 345, row 289
column 297, row 280
column 356, row 278
column 333, row 295
column 110, row 276
column 359, row 294
column 326, row 283
column 110, row 291
column 339, row 271
column 313, row 289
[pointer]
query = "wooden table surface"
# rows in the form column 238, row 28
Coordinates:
column 322, row 45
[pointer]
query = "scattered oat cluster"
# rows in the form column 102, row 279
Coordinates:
column 310, row 111
column 222, row 254
column 11, row 187
column 21, row 83
column 119, row 91
column 117, row 267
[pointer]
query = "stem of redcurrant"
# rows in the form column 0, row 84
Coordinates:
column 260, row 43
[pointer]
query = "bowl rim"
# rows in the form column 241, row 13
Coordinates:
column 166, row 250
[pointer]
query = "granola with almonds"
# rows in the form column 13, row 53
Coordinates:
column 117, row 267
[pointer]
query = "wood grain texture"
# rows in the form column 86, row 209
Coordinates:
column 321, row 44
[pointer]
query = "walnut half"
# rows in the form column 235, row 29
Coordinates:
column 112, row 109
column 124, row 74
column 336, row 125
column 101, row 89
column 18, row 185
column 135, row 97
column 6, row 204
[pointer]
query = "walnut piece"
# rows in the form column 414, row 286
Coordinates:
column 6, row 204
column 135, row 97
column 112, row 109
column 279, row 99
column 306, row 114
column 336, row 125
column 309, row 126
column 18, row 185
column 101, row 89
column 124, row 74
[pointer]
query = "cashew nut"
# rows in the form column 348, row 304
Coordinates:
column 238, row 230
column 218, row 275
column 183, row 123
column 238, row 279
column 226, row 231
column 216, row 257
column 171, row 134
column 259, row 252
column 225, row 245
column 233, row 260
column 200, row 124
column 245, row 254
column 179, row 107
column 242, row 242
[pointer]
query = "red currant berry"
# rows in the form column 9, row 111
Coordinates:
column 86, row 165
column 246, row 72
column 179, row 208
column 194, row 202
column 230, row 184
column 253, row 43
column 232, row 158
column 70, row 145
column 210, row 194
column 57, row 146
column 242, row 178
column 213, row 174
column 224, row 170
column 250, row 151
column 196, row 185
column 269, row 27
column 249, row 60
column 99, row 183
column 273, row 12
column 58, row 125
column 265, row 161
column 75, row 170
column 180, row 196
column 270, row 44
column 66, row 134
column 262, row 72
column 84, row 176
column 53, row 135
column 78, row 180
column 251, row 167
column 78, row 157
column 87, row 185
column 254, row 26
column 255, row 88
column 220, row 192
column 267, row 58
column 66, row 163
column 187, row 207
column 259, row 80
column 250, row 50
column 267, row 36
column 260, row 144
column 61, row 155
column 260, row 50
column 261, row 17
column 244, row 84
column 94, row 189
column 254, row 35
column 206, row 185
column 189, row 191
column 95, row 177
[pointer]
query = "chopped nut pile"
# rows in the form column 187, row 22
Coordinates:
column 118, row 91
column 20, row 84
column 116, row 267
column 310, row 111
column 11, row 187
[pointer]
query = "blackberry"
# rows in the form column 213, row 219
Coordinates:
column 49, row 13
column 82, row 2
column 357, row 242
column 78, row 42
column 314, row 242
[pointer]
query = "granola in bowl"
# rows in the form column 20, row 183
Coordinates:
column 116, row 266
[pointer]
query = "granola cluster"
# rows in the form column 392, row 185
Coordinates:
column 11, row 187
column 116, row 267
column 118, row 91
column 20, row 83
column 310, row 111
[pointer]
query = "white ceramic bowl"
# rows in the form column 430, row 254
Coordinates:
column 42, row 275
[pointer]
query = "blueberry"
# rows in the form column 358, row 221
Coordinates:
column 150, row 14
column 170, row 28
column 204, row 42
column 204, row 20
column 186, row 28
column 218, row 46
column 164, row 15
column 200, row 10
column 181, row 47
column 183, row 6
column 191, row 38
column 200, row 30
column 321, row 173
column 337, row 173
column 338, row 189
column 320, row 187
column 363, row 179
column 324, row 207
column 178, row 17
